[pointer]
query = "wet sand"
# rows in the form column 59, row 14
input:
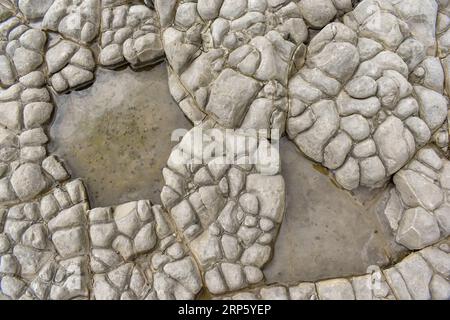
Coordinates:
column 326, row 232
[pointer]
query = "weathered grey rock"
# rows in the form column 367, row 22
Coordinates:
column 28, row 181
column 77, row 20
column 126, row 219
column 364, row 149
column 55, row 169
column 9, row 265
column 102, row 234
column 256, row 255
column 417, row 229
column 207, row 248
column 417, row 276
column 337, row 59
column 146, row 238
column 7, row 75
column 412, row 52
column 230, row 97
column 417, row 190
column 440, row 288
column 103, row 290
column 396, row 282
column 368, row 48
column 183, row 214
column 366, row 107
column 424, row 30
column 337, row 150
column 350, row 106
column 248, row 234
column 394, row 209
column 6, row 191
column 361, row 88
column 186, row 273
column 231, row 247
column 392, row 86
column 362, row 287
column 236, row 180
column 36, row 114
column 378, row 72
column 70, row 242
column 336, row 289
column 270, row 192
column 35, row 236
column 70, row 65
column 46, row 252
column 274, row 293
column 30, row 260
column 215, row 282
column 406, row 107
column 228, row 218
column 4, row 243
column 394, row 155
column 26, row 60
column 253, row 274
column 443, row 217
column 34, row 9
column 445, row 175
column 111, row 55
column 209, row 10
column 139, row 232
column 419, row 129
column 348, row 175
column 312, row 141
column 432, row 107
column 438, row 259
column 304, row 291
column 356, row 126
column 431, row 158
column 12, row 286
column 129, row 33
column 433, row 77
column 233, row 276
column 263, row 53
column 10, row 112
column 249, row 203
column 372, row 171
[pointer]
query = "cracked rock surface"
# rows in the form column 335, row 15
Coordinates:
column 359, row 87
column 44, row 246
column 369, row 95
column 421, row 275
column 231, row 60
column 418, row 209
column 348, row 92
column 77, row 20
column 69, row 65
column 129, row 34
column 136, row 255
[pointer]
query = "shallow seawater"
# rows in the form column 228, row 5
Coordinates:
column 115, row 135
column 326, row 232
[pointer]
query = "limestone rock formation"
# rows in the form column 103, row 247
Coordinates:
column 360, row 87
